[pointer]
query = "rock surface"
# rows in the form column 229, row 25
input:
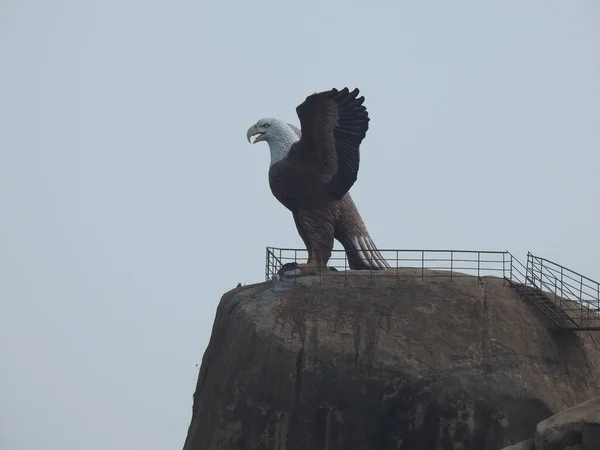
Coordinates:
column 523, row 445
column 590, row 436
column 383, row 364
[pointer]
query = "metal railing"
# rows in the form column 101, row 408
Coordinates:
column 443, row 263
column 574, row 293
column 569, row 299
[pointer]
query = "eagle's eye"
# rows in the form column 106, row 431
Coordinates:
column 266, row 125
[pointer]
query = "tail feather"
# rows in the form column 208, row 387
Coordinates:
column 352, row 233
column 363, row 255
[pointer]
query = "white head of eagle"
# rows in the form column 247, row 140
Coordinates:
column 278, row 134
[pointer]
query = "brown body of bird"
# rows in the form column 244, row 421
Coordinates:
column 313, row 168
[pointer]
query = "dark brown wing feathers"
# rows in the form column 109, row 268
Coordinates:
column 333, row 125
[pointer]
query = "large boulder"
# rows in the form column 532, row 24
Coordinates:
column 579, row 424
column 361, row 362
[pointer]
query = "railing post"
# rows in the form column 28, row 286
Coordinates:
column 422, row 265
column 345, row 269
column 451, row 265
column 588, row 314
column 267, row 264
column 581, row 314
column 581, row 298
column 511, row 267
column 397, row 269
column 296, row 261
column 478, row 263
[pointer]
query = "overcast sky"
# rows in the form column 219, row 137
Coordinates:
column 131, row 200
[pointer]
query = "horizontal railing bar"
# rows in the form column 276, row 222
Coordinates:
column 368, row 273
column 406, row 250
column 340, row 258
column 448, row 267
column 409, row 260
column 563, row 267
column 474, row 266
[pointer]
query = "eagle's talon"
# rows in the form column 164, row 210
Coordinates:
column 293, row 269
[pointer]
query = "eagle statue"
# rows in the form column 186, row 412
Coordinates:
column 313, row 168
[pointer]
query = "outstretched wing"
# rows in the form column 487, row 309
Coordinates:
column 333, row 124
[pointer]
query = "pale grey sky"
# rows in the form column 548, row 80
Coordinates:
column 131, row 200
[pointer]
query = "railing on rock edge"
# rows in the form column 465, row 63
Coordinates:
column 454, row 263
column 570, row 300
column 577, row 295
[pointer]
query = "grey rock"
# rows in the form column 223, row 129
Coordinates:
column 523, row 445
column 590, row 436
column 365, row 362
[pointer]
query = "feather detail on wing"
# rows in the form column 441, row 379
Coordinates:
column 333, row 125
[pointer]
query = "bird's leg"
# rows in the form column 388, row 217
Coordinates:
column 317, row 262
column 316, row 228
column 309, row 267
